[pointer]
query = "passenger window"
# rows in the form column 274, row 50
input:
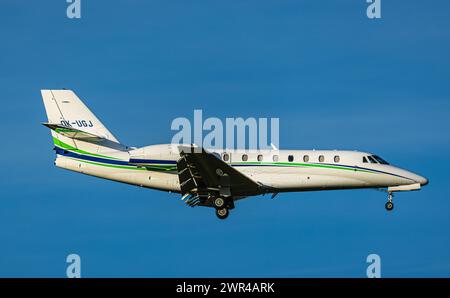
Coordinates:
column 244, row 157
column 226, row 157
column 337, row 158
column 305, row 158
column 364, row 159
column 321, row 158
column 291, row 158
column 372, row 160
column 275, row 158
column 260, row 157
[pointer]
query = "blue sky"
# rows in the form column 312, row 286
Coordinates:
column 336, row 80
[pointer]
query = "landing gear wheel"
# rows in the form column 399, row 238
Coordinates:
column 389, row 206
column 222, row 213
column 219, row 202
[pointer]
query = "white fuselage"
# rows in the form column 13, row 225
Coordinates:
column 283, row 170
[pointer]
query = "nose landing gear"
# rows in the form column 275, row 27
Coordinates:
column 389, row 204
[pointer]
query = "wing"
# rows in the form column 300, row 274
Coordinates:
column 202, row 175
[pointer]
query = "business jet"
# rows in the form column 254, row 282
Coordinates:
column 211, row 178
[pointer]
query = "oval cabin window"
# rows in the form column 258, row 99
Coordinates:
column 226, row 157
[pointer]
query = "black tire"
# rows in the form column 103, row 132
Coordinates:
column 222, row 213
column 389, row 206
column 219, row 202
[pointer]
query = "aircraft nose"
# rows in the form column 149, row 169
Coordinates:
column 408, row 177
column 419, row 179
column 422, row 180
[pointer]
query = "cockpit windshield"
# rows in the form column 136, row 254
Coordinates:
column 374, row 159
column 371, row 159
column 380, row 160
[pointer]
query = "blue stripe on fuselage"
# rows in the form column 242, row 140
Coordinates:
column 67, row 153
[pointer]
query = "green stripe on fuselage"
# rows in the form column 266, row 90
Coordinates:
column 76, row 150
column 68, row 147
column 294, row 164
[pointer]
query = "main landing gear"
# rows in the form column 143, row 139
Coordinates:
column 222, row 213
column 222, row 206
column 219, row 202
column 389, row 204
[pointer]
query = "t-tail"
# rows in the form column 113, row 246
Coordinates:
column 76, row 132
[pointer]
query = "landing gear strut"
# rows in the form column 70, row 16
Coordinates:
column 389, row 204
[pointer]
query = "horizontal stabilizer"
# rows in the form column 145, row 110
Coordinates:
column 72, row 133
